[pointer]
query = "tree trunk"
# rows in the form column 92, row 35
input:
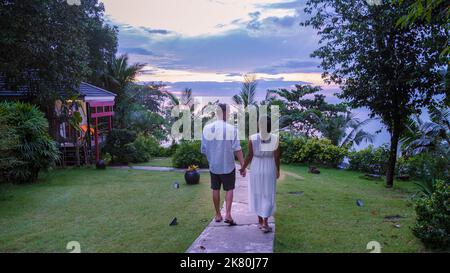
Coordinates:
column 390, row 172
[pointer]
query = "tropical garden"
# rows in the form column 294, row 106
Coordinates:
column 391, row 59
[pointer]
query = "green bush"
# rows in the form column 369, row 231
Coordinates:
column 310, row 151
column 373, row 160
column 289, row 145
column 146, row 148
column 119, row 144
column 425, row 166
column 29, row 148
column 319, row 151
column 188, row 153
column 433, row 217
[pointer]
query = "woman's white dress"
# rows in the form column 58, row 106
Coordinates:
column 263, row 177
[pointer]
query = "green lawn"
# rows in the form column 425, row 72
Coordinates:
column 130, row 211
column 157, row 162
column 326, row 218
column 106, row 211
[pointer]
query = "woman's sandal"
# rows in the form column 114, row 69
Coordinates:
column 218, row 220
column 266, row 229
column 230, row 222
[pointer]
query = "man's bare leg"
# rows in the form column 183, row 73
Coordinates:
column 216, row 200
column 229, row 204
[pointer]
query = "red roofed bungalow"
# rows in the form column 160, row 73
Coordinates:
column 97, row 111
column 96, row 107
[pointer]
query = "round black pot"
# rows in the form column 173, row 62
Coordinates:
column 101, row 165
column 192, row 177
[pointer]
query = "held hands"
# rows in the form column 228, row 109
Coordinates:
column 243, row 172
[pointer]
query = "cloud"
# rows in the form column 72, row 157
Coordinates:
column 136, row 50
column 189, row 18
column 252, row 36
column 156, row 31
column 291, row 66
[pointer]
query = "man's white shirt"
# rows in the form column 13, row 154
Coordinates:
column 219, row 143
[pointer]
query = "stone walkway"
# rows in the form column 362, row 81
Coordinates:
column 243, row 238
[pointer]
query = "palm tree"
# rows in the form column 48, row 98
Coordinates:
column 433, row 135
column 335, row 128
column 186, row 100
column 247, row 96
column 118, row 76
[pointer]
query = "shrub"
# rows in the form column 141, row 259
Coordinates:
column 310, row 151
column 289, row 145
column 425, row 166
column 146, row 148
column 433, row 217
column 188, row 153
column 319, row 151
column 373, row 160
column 119, row 145
column 30, row 148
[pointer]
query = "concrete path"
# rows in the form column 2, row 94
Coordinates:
column 243, row 238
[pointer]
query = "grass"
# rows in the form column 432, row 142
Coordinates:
column 157, row 162
column 106, row 211
column 130, row 211
column 326, row 218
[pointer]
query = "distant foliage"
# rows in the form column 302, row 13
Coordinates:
column 25, row 145
column 311, row 151
column 370, row 160
column 433, row 217
column 187, row 154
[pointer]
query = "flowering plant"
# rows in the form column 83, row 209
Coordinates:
column 193, row 168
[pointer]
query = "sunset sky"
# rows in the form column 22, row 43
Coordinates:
column 208, row 45
column 217, row 41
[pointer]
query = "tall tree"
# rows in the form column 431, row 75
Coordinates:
column 303, row 107
column 50, row 46
column 392, row 71
column 426, row 11
column 101, row 40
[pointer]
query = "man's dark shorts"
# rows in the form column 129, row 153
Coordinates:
column 227, row 180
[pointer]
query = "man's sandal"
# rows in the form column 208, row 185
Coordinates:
column 230, row 222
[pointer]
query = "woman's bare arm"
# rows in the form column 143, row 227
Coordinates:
column 277, row 156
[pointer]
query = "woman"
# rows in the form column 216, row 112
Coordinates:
column 264, row 156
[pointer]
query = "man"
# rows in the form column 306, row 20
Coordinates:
column 221, row 146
